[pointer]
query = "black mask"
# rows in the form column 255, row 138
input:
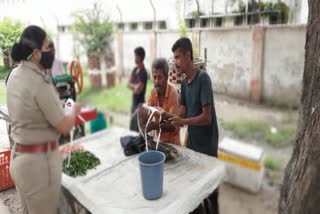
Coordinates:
column 47, row 59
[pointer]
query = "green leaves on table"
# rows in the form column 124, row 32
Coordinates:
column 80, row 163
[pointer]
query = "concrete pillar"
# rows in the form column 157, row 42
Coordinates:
column 120, row 51
column 196, row 42
column 153, row 46
column 257, row 63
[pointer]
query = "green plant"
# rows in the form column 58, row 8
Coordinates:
column 283, row 136
column 284, row 11
column 182, row 28
column 80, row 163
column 182, row 25
column 271, row 164
column 93, row 29
column 10, row 30
column 267, row 7
column 195, row 14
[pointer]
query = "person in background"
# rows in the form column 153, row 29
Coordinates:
column 137, row 84
column 57, row 66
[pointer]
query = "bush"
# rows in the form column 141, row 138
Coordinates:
column 271, row 164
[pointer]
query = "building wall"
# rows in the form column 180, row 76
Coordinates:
column 262, row 63
column 229, row 59
column 283, row 65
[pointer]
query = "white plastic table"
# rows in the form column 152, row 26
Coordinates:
column 115, row 185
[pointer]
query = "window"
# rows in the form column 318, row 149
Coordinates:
column 133, row 26
column 205, row 23
column 62, row 29
column 147, row 26
column 218, row 22
column 120, row 26
column 238, row 20
column 191, row 23
column 273, row 19
column 162, row 25
column 253, row 19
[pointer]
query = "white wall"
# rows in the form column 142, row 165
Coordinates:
column 229, row 59
column 283, row 65
column 130, row 42
column 304, row 12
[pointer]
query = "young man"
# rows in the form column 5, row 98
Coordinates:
column 196, row 110
column 137, row 84
column 166, row 97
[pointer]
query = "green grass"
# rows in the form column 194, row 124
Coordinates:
column 3, row 72
column 3, row 93
column 118, row 98
column 260, row 131
column 271, row 164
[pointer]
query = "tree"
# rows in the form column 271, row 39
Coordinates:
column 10, row 31
column 95, row 29
column 300, row 191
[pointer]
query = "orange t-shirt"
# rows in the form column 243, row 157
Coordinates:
column 170, row 104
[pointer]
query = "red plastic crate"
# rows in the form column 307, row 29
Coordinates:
column 87, row 114
column 6, row 181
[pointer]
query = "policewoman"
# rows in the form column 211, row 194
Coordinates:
column 38, row 120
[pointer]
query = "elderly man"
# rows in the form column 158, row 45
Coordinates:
column 164, row 97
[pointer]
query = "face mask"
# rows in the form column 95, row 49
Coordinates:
column 47, row 59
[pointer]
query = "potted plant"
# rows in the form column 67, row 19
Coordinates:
column 10, row 30
column 93, row 30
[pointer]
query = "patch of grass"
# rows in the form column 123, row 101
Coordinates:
column 3, row 93
column 284, row 136
column 3, row 89
column 259, row 130
column 118, row 98
column 3, row 72
column 271, row 164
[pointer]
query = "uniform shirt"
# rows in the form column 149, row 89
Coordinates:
column 194, row 96
column 33, row 105
column 138, row 75
column 171, row 100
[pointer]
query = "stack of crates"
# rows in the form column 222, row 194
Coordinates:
column 6, row 181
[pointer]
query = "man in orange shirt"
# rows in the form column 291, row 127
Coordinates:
column 166, row 97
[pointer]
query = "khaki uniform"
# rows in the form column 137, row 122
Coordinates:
column 35, row 109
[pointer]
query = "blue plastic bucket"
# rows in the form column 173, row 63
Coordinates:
column 151, row 171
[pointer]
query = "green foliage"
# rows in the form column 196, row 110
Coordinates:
column 261, row 131
column 182, row 28
column 80, row 163
column 118, row 98
column 10, row 31
column 271, row 164
column 284, row 11
column 93, row 29
column 267, row 7
column 3, row 72
column 195, row 14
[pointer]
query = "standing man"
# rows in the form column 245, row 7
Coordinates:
column 166, row 97
column 137, row 84
column 197, row 111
